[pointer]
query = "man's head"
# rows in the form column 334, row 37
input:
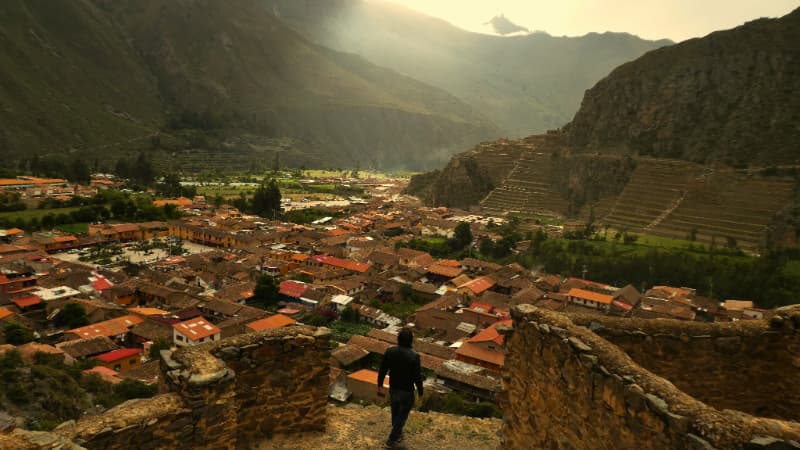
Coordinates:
column 405, row 338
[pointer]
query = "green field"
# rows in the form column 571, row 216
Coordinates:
column 36, row 213
column 73, row 228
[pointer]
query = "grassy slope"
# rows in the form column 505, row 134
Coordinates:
column 236, row 57
column 93, row 73
column 60, row 88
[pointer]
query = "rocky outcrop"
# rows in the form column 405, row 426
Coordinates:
column 728, row 97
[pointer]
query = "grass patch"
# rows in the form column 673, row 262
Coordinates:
column 73, row 228
column 36, row 213
column 343, row 331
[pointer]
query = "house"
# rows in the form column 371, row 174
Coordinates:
column 364, row 386
column 82, row 349
column 115, row 329
column 414, row 258
column 6, row 314
column 469, row 379
column 350, row 286
column 476, row 286
column 482, row 315
column 484, row 349
column 16, row 279
column 121, row 359
column 346, row 356
column 56, row 293
column 383, row 260
column 589, row 299
column 292, row 290
column 341, row 302
column 624, row 300
column 28, row 302
column 339, row 263
column 271, row 322
column 195, row 331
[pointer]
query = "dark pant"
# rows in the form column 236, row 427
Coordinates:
column 401, row 402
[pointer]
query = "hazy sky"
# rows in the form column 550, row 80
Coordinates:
column 652, row 19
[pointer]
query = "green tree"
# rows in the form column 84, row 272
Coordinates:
column 266, row 291
column 267, row 199
column 80, row 171
column 73, row 316
column 158, row 345
column 462, row 236
column 16, row 334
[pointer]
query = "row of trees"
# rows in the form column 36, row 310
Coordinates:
column 771, row 280
column 266, row 200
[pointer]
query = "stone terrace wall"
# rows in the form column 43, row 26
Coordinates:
column 750, row 366
column 224, row 395
column 567, row 387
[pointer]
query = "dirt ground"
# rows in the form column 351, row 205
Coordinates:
column 355, row 427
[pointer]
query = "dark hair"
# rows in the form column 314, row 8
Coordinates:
column 405, row 338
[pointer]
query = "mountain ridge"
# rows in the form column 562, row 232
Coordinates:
column 524, row 84
column 81, row 76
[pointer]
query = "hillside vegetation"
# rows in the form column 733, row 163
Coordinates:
column 87, row 74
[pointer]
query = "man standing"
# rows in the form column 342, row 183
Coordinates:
column 403, row 366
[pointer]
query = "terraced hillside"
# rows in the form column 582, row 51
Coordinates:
column 527, row 187
column 470, row 175
column 727, row 208
column 655, row 188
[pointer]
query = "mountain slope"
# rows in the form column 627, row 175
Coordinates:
column 234, row 56
column 60, row 88
column 524, row 84
column 728, row 97
column 87, row 73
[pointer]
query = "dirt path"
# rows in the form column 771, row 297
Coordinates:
column 354, row 427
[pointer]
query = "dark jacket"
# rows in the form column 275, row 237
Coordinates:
column 403, row 367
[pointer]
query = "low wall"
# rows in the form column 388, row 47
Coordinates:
column 223, row 395
column 568, row 387
column 750, row 366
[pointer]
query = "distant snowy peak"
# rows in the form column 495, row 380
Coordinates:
column 502, row 26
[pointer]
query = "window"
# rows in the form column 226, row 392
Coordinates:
column 132, row 362
column 117, row 367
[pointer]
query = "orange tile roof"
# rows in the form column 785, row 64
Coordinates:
column 148, row 311
column 30, row 181
column 490, row 334
column 450, row 263
column 445, row 271
column 196, row 328
column 368, row 376
column 589, row 295
column 276, row 321
column 480, row 353
column 5, row 312
column 13, row 231
column 24, row 302
column 108, row 328
column 65, row 238
column 343, row 263
column 479, row 284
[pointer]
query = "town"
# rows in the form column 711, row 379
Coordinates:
column 113, row 293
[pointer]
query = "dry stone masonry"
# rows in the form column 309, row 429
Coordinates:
column 229, row 394
column 570, row 383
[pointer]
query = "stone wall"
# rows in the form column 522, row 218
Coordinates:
column 568, row 387
column 224, row 395
column 750, row 366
